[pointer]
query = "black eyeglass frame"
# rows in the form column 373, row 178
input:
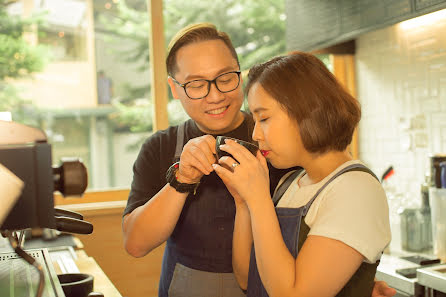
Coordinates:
column 213, row 81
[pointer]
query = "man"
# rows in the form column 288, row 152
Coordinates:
column 105, row 88
column 191, row 208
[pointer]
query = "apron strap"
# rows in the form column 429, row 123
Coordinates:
column 290, row 178
column 180, row 141
column 353, row 167
column 278, row 193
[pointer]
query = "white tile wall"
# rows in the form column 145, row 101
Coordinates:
column 401, row 77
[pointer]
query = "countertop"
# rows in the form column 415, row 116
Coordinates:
column 400, row 273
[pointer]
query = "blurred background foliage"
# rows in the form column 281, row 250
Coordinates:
column 256, row 27
column 18, row 59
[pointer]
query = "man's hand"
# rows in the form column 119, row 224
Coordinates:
column 381, row 289
column 196, row 159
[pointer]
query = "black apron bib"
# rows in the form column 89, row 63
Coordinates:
column 197, row 257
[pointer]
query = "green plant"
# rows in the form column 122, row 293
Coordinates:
column 256, row 27
column 18, row 59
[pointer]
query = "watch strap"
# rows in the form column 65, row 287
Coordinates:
column 171, row 179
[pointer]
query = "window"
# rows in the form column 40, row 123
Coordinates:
column 89, row 88
column 76, row 77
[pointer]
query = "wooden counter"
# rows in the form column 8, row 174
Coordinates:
column 86, row 264
column 101, row 282
column 132, row 277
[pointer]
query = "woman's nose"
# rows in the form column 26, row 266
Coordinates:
column 256, row 133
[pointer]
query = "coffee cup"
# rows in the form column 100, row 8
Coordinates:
column 253, row 148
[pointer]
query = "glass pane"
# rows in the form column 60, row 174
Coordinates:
column 256, row 27
column 79, row 69
column 70, row 68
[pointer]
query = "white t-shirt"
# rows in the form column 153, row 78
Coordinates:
column 352, row 208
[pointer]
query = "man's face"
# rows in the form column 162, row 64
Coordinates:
column 218, row 112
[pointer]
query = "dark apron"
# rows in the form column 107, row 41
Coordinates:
column 295, row 231
column 197, row 257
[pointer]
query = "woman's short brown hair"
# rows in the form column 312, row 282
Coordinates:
column 191, row 34
column 325, row 112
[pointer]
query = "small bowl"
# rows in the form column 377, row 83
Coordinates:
column 221, row 140
column 76, row 284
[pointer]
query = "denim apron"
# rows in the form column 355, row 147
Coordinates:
column 295, row 231
column 197, row 257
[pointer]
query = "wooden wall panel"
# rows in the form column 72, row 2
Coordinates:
column 157, row 47
column 133, row 277
column 344, row 70
column 92, row 197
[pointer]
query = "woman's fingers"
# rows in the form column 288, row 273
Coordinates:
column 223, row 173
column 262, row 160
column 240, row 153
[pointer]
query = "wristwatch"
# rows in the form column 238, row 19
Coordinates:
column 171, row 179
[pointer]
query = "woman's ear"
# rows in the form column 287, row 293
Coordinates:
column 173, row 89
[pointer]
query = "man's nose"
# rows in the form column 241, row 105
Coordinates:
column 214, row 94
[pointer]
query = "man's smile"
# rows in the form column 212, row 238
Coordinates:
column 217, row 111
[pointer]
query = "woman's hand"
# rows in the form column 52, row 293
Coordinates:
column 246, row 176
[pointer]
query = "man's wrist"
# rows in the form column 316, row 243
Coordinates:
column 183, row 179
column 179, row 185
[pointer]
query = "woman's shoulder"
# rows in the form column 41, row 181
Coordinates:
column 355, row 188
column 354, row 210
column 353, row 191
column 356, row 180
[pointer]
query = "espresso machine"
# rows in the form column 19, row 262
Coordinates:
column 29, row 181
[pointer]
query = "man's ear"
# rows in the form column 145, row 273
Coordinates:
column 172, row 88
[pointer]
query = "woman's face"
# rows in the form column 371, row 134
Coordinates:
column 277, row 134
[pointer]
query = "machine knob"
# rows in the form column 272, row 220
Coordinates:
column 70, row 178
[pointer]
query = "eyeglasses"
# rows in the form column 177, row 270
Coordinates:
column 199, row 88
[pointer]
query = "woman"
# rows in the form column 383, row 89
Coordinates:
column 329, row 228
